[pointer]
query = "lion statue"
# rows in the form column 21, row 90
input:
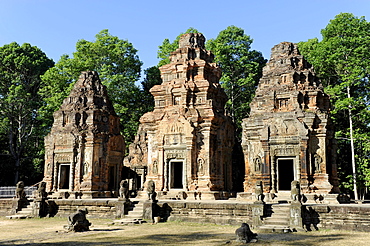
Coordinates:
column 258, row 191
column 77, row 222
column 295, row 191
column 245, row 235
column 19, row 190
column 123, row 190
column 41, row 191
column 150, row 189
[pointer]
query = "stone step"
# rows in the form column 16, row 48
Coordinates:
column 127, row 221
column 136, row 207
column 135, row 214
column 277, row 223
column 280, row 210
column 274, row 228
column 18, row 216
column 136, row 211
column 24, row 212
column 139, row 209
column 285, row 214
column 285, row 217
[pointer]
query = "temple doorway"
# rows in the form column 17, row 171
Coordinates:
column 112, row 178
column 64, row 176
column 285, row 173
column 176, row 174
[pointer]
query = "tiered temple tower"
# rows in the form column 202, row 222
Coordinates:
column 288, row 135
column 84, row 150
column 185, row 144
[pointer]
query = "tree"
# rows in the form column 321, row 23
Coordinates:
column 152, row 78
column 20, row 82
column 167, row 47
column 342, row 60
column 241, row 70
column 118, row 66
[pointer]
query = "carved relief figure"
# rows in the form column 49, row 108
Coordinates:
column 318, row 161
column 257, row 165
column 85, row 168
column 155, row 167
column 200, row 166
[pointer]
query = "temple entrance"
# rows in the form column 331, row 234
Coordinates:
column 64, row 176
column 176, row 175
column 112, row 178
column 285, row 173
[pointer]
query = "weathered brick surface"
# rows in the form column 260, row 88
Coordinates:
column 289, row 128
column 229, row 213
column 97, row 208
column 345, row 217
column 5, row 206
column 187, row 137
column 84, row 149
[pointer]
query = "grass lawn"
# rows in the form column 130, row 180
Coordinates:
column 49, row 231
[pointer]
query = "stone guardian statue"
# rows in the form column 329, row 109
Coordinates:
column 77, row 222
column 295, row 191
column 245, row 235
column 124, row 190
column 150, row 188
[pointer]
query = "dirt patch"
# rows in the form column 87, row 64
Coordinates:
column 49, row 231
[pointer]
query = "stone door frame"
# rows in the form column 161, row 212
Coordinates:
column 275, row 171
column 69, row 175
column 171, row 175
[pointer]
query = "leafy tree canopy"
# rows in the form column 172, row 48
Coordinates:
column 152, row 78
column 342, row 60
column 20, row 82
column 118, row 66
column 241, row 69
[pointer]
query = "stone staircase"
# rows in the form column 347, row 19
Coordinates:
column 134, row 216
column 282, row 197
column 24, row 213
column 277, row 219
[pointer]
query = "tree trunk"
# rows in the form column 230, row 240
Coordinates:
column 352, row 147
column 17, row 166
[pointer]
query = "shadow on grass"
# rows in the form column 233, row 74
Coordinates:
column 116, row 229
column 186, row 239
column 107, row 239
column 306, row 239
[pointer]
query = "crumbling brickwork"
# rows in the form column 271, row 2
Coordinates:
column 288, row 135
column 84, row 149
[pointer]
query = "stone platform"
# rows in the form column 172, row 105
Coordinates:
column 323, row 216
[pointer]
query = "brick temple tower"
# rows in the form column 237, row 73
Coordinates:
column 185, row 144
column 288, row 135
column 84, row 150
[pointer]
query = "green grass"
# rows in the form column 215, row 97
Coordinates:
column 49, row 231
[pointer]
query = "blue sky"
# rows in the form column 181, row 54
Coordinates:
column 56, row 25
